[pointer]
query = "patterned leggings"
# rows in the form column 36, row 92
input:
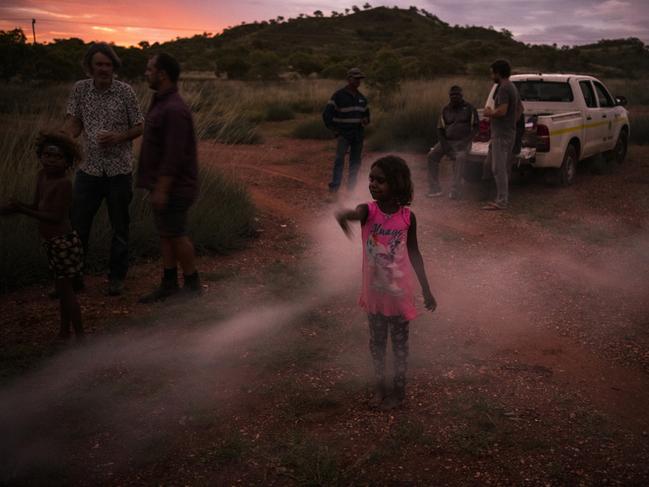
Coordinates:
column 379, row 325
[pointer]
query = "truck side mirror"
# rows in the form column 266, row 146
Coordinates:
column 620, row 101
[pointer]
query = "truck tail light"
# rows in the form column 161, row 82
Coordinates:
column 484, row 134
column 542, row 138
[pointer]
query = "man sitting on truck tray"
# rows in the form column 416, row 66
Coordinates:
column 458, row 124
column 506, row 112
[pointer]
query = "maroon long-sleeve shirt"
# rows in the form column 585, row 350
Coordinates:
column 169, row 146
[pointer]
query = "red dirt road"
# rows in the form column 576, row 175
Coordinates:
column 533, row 371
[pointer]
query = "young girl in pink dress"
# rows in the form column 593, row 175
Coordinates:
column 390, row 253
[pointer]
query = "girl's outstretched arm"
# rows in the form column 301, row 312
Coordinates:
column 345, row 216
column 417, row 262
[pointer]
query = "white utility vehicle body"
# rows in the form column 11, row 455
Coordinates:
column 568, row 118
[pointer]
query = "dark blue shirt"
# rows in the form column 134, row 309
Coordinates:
column 345, row 112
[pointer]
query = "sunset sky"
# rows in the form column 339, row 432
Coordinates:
column 127, row 22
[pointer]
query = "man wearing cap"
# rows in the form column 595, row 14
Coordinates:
column 346, row 115
column 457, row 125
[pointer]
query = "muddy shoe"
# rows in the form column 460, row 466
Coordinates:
column 494, row 206
column 192, row 286
column 168, row 287
column 378, row 395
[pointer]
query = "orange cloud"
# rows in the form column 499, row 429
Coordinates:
column 120, row 21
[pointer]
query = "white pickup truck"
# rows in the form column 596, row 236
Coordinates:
column 568, row 118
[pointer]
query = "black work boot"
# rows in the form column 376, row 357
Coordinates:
column 168, row 287
column 192, row 285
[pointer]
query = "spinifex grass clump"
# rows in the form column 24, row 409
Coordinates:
column 278, row 112
column 230, row 111
column 312, row 129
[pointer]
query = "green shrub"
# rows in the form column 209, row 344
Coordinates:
column 278, row 112
column 335, row 71
column 312, row 129
column 307, row 106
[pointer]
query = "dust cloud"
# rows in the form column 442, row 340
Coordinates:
column 134, row 390
column 106, row 384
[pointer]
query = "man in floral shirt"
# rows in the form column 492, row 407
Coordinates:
column 107, row 113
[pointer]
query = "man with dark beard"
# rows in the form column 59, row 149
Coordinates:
column 169, row 170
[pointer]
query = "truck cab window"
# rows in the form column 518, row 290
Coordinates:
column 605, row 100
column 589, row 95
column 544, row 91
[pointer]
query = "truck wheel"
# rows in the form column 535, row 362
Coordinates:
column 620, row 150
column 568, row 170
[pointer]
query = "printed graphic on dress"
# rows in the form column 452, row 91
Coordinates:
column 384, row 260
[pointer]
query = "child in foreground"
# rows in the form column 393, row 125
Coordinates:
column 51, row 207
column 390, row 252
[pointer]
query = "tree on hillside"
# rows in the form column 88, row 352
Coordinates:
column 13, row 52
column 318, row 14
column 233, row 63
column 280, row 19
column 367, row 6
column 386, row 72
column 304, row 63
column 347, row 11
column 355, row 9
column 265, row 65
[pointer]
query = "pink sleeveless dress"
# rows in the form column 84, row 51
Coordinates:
column 387, row 271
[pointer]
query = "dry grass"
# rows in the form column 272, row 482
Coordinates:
column 228, row 112
column 219, row 220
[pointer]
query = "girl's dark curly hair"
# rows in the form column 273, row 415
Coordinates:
column 397, row 175
column 69, row 147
